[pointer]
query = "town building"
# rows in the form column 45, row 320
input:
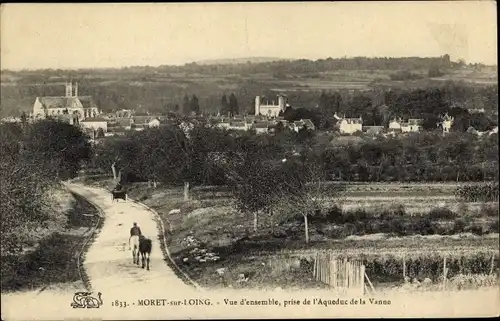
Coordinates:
column 142, row 122
column 71, row 119
column 373, row 130
column 238, row 124
column 11, row 119
column 413, row 125
column 297, row 125
column 261, row 127
column 70, row 104
column 446, row 123
column 270, row 108
column 476, row 110
column 95, row 123
column 349, row 125
column 124, row 113
column 395, row 126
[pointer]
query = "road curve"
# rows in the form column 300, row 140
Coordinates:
column 108, row 262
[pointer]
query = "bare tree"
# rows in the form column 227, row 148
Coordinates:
column 303, row 191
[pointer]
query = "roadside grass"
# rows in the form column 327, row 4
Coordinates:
column 54, row 259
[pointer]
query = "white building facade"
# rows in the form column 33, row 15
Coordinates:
column 270, row 109
column 349, row 125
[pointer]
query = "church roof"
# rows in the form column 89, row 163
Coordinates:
column 66, row 102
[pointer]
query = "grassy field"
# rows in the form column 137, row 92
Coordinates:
column 52, row 260
column 207, row 226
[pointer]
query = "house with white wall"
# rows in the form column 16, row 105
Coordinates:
column 349, row 125
column 446, row 123
column 413, row 125
column 261, row 127
column 270, row 108
column 95, row 123
column 395, row 126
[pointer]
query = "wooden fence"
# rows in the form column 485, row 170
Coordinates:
column 342, row 274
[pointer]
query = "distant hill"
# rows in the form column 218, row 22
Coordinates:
column 234, row 61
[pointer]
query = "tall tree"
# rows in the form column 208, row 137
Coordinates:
column 59, row 146
column 194, row 105
column 224, row 105
column 186, row 106
column 233, row 105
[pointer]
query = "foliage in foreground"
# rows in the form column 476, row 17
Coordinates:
column 33, row 160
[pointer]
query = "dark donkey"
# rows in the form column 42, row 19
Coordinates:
column 145, row 246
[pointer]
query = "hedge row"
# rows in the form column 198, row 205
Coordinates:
column 337, row 224
column 387, row 269
column 487, row 192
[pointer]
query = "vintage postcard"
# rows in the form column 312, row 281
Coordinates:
column 249, row 160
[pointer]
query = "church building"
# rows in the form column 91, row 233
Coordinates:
column 80, row 107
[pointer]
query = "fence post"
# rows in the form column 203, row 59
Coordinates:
column 349, row 277
column 444, row 272
column 362, row 279
column 492, row 263
column 321, row 267
column 404, row 267
column 186, row 191
column 320, row 272
column 346, row 274
column 315, row 266
column 335, row 272
column 369, row 282
column 328, row 268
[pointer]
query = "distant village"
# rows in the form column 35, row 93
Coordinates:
column 82, row 111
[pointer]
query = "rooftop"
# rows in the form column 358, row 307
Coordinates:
column 66, row 102
column 95, row 119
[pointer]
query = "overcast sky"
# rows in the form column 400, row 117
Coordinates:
column 37, row 36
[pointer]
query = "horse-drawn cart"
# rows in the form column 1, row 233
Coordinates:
column 119, row 193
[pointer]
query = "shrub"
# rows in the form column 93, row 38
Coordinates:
column 489, row 210
column 493, row 226
column 400, row 210
column 440, row 228
column 463, row 209
column 396, row 226
column 389, row 268
column 355, row 216
column 423, row 226
column 485, row 192
column 475, row 229
column 442, row 213
column 350, row 229
column 360, row 228
column 334, row 215
column 459, row 225
column 386, row 215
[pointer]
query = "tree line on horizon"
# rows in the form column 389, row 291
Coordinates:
column 289, row 65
